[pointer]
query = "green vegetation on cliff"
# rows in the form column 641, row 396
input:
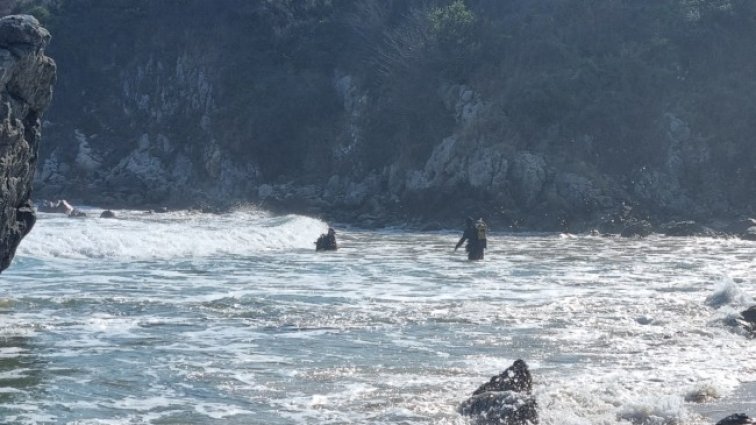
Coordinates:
column 651, row 100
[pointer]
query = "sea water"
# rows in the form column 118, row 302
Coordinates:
column 190, row 318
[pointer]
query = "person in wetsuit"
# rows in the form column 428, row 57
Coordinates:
column 475, row 235
column 327, row 241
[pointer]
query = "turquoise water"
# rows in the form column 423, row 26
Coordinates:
column 188, row 318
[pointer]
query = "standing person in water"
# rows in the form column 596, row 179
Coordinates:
column 327, row 241
column 475, row 234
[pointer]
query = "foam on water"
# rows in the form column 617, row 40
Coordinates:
column 728, row 293
column 135, row 235
column 234, row 319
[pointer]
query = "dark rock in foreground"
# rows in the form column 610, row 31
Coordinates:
column 107, row 214
column 504, row 400
column 515, row 378
column 26, row 77
column 737, row 419
column 750, row 315
column 749, row 320
column 686, row 228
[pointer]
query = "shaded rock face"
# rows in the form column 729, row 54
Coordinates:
column 26, row 79
column 505, row 399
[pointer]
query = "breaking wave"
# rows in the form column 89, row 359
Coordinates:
column 138, row 236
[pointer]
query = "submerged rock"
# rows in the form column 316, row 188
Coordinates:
column 504, row 400
column 737, row 419
column 26, row 79
column 76, row 213
column 749, row 320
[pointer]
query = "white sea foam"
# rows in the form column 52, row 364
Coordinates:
column 728, row 293
column 139, row 236
column 393, row 328
column 654, row 410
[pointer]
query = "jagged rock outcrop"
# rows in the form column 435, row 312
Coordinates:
column 504, row 400
column 26, row 79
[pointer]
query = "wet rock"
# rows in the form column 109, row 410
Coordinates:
column 27, row 76
column 637, row 229
column 750, row 315
column 504, row 400
column 515, row 378
column 686, row 228
column 77, row 214
column 748, row 320
column 107, row 214
column 737, row 419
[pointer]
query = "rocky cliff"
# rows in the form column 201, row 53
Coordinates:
column 26, row 78
column 550, row 114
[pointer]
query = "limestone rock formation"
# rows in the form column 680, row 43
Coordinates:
column 26, row 79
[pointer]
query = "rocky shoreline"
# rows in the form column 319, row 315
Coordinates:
column 375, row 217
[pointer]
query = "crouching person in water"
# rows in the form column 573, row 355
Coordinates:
column 327, row 242
column 475, row 234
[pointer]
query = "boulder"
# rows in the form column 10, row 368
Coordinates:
column 107, row 214
column 504, row 400
column 76, row 213
column 750, row 315
column 737, row 419
column 748, row 320
column 26, row 79
column 515, row 378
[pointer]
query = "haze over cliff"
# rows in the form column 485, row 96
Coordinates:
column 543, row 114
